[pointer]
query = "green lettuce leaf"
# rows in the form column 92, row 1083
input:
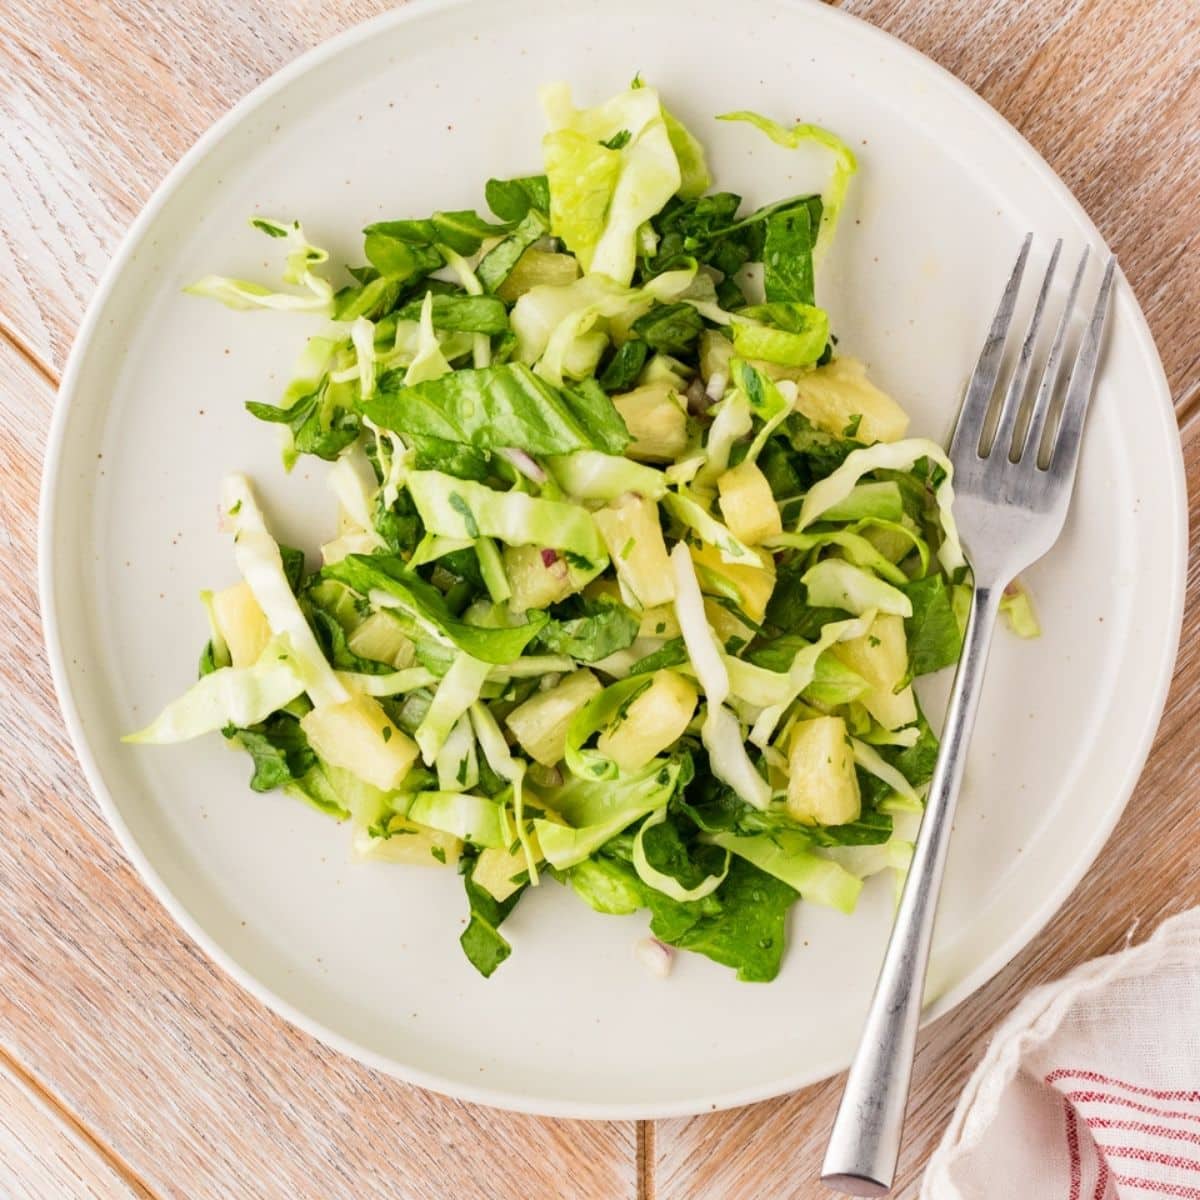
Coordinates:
column 601, row 196
column 934, row 638
column 505, row 405
column 422, row 611
column 603, row 628
column 512, row 199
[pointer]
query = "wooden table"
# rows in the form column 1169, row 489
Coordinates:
column 129, row 1065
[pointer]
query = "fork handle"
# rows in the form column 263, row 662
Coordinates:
column 865, row 1142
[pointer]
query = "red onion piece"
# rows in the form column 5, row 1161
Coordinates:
column 523, row 463
column 656, row 956
column 549, row 557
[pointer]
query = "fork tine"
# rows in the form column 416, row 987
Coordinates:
column 1065, row 453
column 1032, row 441
column 973, row 414
column 1010, row 410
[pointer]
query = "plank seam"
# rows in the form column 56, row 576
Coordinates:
column 646, row 1155
column 44, row 369
column 72, row 1124
column 1187, row 409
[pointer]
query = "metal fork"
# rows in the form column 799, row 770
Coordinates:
column 1014, row 469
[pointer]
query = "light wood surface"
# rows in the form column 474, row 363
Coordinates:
column 129, row 1066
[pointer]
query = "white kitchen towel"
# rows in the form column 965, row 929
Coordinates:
column 1091, row 1089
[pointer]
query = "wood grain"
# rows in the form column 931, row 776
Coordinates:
column 1108, row 91
column 44, row 1156
column 149, row 1068
column 142, row 1040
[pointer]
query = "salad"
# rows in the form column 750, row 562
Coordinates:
column 633, row 569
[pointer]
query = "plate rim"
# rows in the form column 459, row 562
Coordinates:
column 498, row 1097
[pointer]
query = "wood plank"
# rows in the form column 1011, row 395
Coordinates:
column 1120, row 130
column 43, row 1157
column 95, row 108
column 775, row 1148
column 196, row 1086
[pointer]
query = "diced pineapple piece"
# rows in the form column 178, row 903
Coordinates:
column 242, row 623
column 748, row 504
column 880, row 656
column 353, row 541
column 753, row 584
column 359, row 736
column 715, row 352
column 725, row 625
column 537, row 577
column 822, row 783
column 540, row 724
column 656, row 418
column 655, row 720
column 409, row 843
column 380, row 637
column 635, row 544
column 536, row 267
column 833, row 395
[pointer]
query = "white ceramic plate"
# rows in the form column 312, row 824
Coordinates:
column 411, row 113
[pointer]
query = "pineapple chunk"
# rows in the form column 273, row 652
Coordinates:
column 753, row 584
column 495, row 868
column 725, row 625
column 656, row 417
column 635, row 544
column 410, row 843
column 833, row 395
column 242, row 623
column 540, row 724
column 380, row 638
column 536, row 267
column 358, row 735
column 880, row 656
column 536, row 580
column 715, row 352
column 353, row 541
column 748, row 504
column 655, row 720
column 822, row 783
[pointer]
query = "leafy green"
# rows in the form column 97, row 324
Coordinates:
column 473, row 314
column 669, row 328
column 672, row 653
column 934, row 638
column 483, row 944
column 787, row 252
column 422, row 610
column 603, row 628
column 506, row 405
column 462, row 509
column 750, row 932
column 280, row 751
column 495, row 266
column 683, row 870
column 601, row 196
column 512, row 199
column 323, row 423
column 623, row 368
